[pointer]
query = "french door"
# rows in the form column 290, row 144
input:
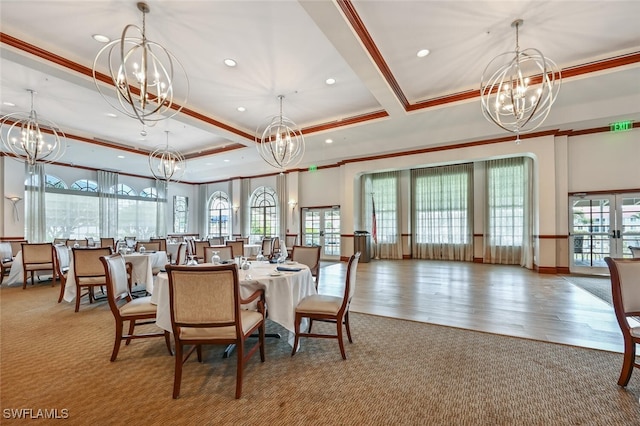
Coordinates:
column 321, row 227
column 601, row 226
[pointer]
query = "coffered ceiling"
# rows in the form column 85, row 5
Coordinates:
column 385, row 98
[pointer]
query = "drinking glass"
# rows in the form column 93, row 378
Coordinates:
column 215, row 259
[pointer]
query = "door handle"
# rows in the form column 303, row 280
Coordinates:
column 618, row 233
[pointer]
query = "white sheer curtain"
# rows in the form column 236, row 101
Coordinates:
column 282, row 192
column 509, row 216
column 35, row 219
column 162, row 211
column 382, row 191
column 245, row 211
column 108, row 204
column 443, row 212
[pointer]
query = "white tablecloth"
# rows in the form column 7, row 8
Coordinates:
column 5, row 251
column 142, row 273
column 252, row 250
column 282, row 293
column 16, row 274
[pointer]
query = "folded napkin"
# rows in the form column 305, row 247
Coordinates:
column 285, row 269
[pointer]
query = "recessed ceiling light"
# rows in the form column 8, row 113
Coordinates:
column 230, row 62
column 120, row 156
column 11, row 104
column 330, row 81
column 328, row 141
column 241, row 109
column 226, row 160
column 101, row 38
column 111, row 114
column 422, row 53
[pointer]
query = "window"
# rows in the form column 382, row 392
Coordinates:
column 505, row 202
column 85, row 185
column 264, row 214
column 149, row 193
column 54, row 182
column 125, row 190
column 180, row 213
column 219, row 215
column 384, row 188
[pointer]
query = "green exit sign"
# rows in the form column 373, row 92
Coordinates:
column 313, row 168
column 621, row 126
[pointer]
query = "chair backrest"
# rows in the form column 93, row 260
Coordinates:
column 635, row 251
column 309, row 256
column 161, row 241
column 86, row 261
column 115, row 270
column 291, row 240
column 237, row 248
column 350, row 282
column 198, row 248
column 148, row 246
column 216, row 241
column 81, row 243
column 267, row 246
column 225, row 253
column 16, row 246
column 625, row 290
column 58, row 263
column 37, row 253
column 59, row 241
column 204, row 296
column 108, row 242
column 243, row 239
column 181, row 253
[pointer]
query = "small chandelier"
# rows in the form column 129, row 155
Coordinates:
column 517, row 94
column 166, row 163
column 31, row 138
column 144, row 74
column 281, row 143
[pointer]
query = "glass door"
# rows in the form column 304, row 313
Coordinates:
column 601, row 226
column 321, row 226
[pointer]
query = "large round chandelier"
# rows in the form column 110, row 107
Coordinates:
column 518, row 88
column 279, row 141
column 166, row 163
column 144, row 74
column 31, row 138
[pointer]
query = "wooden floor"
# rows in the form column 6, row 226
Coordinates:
column 499, row 299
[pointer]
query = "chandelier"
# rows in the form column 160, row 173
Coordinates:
column 144, row 73
column 31, row 138
column 518, row 88
column 166, row 163
column 281, row 143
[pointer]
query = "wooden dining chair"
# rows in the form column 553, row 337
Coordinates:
column 237, row 248
column 309, row 256
column 635, row 251
column 161, row 241
column 88, row 271
column 625, row 292
column 216, row 241
column 59, row 241
column 108, row 242
column 267, row 247
column 198, row 249
column 125, row 308
column 181, row 254
column 205, row 306
column 81, row 242
column 335, row 309
column 6, row 264
column 225, row 253
column 61, row 270
column 148, row 246
column 37, row 257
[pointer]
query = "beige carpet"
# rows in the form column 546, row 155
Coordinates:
column 398, row 372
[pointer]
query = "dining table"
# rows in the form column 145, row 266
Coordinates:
column 142, row 271
column 284, row 285
column 16, row 274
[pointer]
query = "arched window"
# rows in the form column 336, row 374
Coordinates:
column 51, row 181
column 264, row 212
column 149, row 193
column 85, row 185
column 125, row 190
column 219, row 215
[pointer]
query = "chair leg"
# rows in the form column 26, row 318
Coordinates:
column 132, row 326
column 346, row 325
column 239, row 368
column 627, row 363
column 199, row 352
column 340, row 342
column 118, row 341
column 262, row 335
column 78, row 297
column 62, row 286
column 178, row 373
column 167, row 340
column 297, row 334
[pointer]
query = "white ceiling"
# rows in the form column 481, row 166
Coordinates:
column 291, row 48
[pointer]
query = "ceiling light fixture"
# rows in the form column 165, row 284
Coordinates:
column 145, row 75
column 422, row 53
column 517, row 94
column 101, row 38
column 31, row 138
column 230, row 62
column 281, row 143
column 330, row 81
column 167, row 163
